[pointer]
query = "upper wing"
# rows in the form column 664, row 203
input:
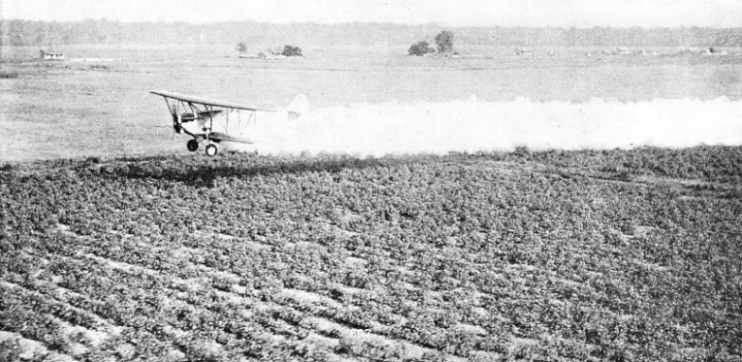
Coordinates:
column 207, row 102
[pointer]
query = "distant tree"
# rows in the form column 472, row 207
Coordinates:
column 242, row 47
column 420, row 49
column 291, row 51
column 444, row 40
column 49, row 34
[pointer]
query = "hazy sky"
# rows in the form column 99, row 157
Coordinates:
column 579, row 13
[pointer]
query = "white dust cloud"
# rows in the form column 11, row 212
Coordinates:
column 473, row 125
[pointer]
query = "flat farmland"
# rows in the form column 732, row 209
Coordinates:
column 565, row 256
column 78, row 108
column 117, row 244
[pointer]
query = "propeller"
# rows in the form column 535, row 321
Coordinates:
column 177, row 121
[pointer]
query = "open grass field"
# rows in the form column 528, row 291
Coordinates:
column 123, row 246
column 77, row 109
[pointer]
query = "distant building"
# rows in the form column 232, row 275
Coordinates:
column 624, row 51
column 522, row 51
column 51, row 56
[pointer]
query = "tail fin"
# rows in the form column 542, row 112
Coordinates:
column 299, row 106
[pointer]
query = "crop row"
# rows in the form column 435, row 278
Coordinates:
column 553, row 254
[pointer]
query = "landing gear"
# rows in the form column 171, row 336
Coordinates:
column 192, row 145
column 211, row 150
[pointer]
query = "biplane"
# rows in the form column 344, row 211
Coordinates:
column 212, row 121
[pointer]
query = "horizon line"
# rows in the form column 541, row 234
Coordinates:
column 389, row 23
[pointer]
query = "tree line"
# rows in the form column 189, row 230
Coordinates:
column 38, row 33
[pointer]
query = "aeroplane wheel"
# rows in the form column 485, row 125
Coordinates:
column 211, row 150
column 192, row 145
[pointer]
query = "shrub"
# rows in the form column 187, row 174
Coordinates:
column 444, row 40
column 291, row 51
column 8, row 75
column 420, row 49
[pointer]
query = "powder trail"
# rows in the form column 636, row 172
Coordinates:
column 472, row 125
